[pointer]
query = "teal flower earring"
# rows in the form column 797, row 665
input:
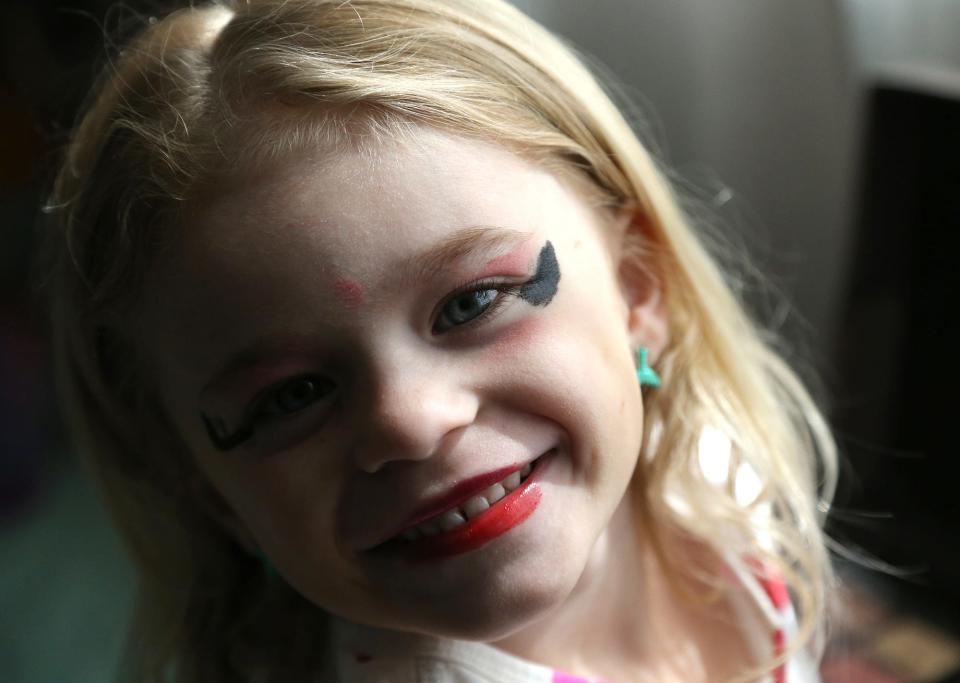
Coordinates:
column 646, row 374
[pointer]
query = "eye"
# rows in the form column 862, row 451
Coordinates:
column 464, row 307
column 294, row 395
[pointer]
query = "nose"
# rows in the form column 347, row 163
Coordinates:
column 413, row 411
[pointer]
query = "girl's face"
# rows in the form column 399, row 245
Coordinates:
column 352, row 343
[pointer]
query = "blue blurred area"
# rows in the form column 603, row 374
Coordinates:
column 23, row 436
column 65, row 585
column 65, row 588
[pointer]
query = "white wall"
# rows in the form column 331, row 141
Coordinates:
column 890, row 34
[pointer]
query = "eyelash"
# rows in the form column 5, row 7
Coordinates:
column 258, row 412
column 504, row 291
column 260, row 408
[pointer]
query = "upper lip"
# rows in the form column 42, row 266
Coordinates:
column 451, row 498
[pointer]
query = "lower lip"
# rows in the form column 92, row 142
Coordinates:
column 492, row 523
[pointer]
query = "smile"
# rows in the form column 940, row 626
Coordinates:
column 476, row 521
column 471, row 509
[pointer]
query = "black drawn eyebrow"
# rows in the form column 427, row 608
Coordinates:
column 222, row 439
column 541, row 288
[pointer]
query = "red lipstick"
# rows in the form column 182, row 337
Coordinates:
column 498, row 519
column 457, row 495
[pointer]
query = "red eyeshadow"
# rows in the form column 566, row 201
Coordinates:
column 516, row 336
column 515, row 262
column 259, row 374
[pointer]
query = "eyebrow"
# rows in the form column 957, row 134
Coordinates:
column 420, row 268
column 461, row 243
column 261, row 351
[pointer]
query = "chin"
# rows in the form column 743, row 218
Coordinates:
column 498, row 612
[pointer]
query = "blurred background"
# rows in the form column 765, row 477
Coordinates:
column 821, row 136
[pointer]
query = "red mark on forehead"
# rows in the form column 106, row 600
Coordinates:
column 350, row 293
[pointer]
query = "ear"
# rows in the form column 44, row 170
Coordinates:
column 212, row 503
column 640, row 271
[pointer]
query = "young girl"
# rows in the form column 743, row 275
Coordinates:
column 397, row 361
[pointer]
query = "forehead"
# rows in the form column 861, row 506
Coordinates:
column 356, row 206
column 306, row 239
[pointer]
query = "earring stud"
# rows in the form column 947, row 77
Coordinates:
column 645, row 374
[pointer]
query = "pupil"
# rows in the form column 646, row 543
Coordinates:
column 297, row 395
column 471, row 304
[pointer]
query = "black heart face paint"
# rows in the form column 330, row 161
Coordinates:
column 223, row 440
column 540, row 289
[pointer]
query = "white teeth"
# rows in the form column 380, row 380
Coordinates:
column 512, row 482
column 494, row 493
column 451, row 520
column 475, row 506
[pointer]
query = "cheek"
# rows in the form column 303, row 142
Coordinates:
column 572, row 357
column 519, row 337
column 282, row 497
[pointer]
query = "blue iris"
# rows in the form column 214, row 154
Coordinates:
column 465, row 307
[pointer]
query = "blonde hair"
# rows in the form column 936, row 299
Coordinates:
column 172, row 110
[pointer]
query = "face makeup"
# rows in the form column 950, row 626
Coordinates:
column 463, row 528
column 281, row 399
column 541, row 288
column 393, row 415
column 220, row 435
column 350, row 293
